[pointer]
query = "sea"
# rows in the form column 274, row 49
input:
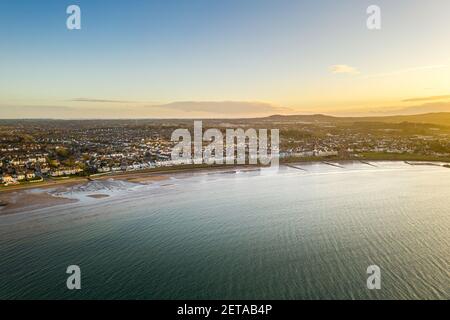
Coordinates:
column 303, row 231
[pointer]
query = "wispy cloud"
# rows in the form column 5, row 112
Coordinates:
column 343, row 69
column 432, row 98
column 223, row 107
column 178, row 109
column 394, row 110
column 426, row 108
column 100, row 100
column 407, row 70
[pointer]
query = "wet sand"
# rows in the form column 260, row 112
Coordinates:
column 97, row 196
column 143, row 176
column 58, row 192
column 53, row 193
column 19, row 201
column 146, row 179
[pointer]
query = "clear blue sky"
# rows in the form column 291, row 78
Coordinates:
column 135, row 54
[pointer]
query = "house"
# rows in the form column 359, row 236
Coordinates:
column 104, row 169
column 44, row 169
column 17, row 162
column 65, row 172
column 6, row 179
column 30, row 175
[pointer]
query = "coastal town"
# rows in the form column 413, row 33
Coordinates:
column 36, row 150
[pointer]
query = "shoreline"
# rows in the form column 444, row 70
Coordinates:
column 30, row 197
column 149, row 175
column 35, row 197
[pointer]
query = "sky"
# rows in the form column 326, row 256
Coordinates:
column 222, row 58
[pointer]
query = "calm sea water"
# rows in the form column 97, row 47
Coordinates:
column 286, row 234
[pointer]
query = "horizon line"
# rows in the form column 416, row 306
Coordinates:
column 233, row 118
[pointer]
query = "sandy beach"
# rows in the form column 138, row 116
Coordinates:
column 29, row 197
column 98, row 196
column 142, row 176
column 32, row 197
column 53, row 193
column 19, row 201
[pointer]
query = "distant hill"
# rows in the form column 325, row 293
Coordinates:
column 442, row 118
column 439, row 119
